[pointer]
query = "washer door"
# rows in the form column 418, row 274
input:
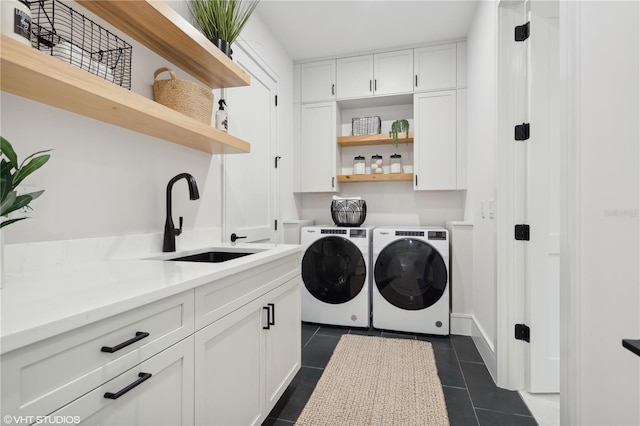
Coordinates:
column 333, row 270
column 410, row 274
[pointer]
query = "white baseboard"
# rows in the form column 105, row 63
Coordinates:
column 486, row 349
column 461, row 324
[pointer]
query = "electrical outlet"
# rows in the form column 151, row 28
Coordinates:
column 24, row 211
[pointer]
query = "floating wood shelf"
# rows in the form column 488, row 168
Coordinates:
column 32, row 74
column 364, row 140
column 385, row 177
column 159, row 27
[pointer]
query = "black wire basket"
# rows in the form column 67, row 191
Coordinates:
column 75, row 39
column 348, row 212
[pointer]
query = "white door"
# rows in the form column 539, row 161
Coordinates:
column 393, row 72
column 318, row 147
column 250, row 184
column 543, row 199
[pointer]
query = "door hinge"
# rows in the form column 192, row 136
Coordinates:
column 522, row 32
column 522, row 132
column 522, row 332
column 275, row 224
column 522, row 232
column 277, row 158
column 276, row 100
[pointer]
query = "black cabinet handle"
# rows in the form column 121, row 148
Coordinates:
column 632, row 345
column 333, row 182
column 273, row 313
column 143, row 377
column 370, row 85
column 375, row 84
column 416, row 180
column 416, row 80
column 333, row 89
column 235, row 237
column 111, row 349
column 268, row 326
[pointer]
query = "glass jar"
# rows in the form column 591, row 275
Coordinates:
column 395, row 163
column 359, row 167
column 376, row 164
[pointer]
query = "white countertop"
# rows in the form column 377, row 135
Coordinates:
column 39, row 305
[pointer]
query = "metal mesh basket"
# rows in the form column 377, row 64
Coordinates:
column 348, row 212
column 365, row 126
column 77, row 40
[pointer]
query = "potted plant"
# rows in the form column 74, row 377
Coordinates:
column 399, row 126
column 11, row 175
column 222, row 20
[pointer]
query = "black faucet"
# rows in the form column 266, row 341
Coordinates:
column 170, row 230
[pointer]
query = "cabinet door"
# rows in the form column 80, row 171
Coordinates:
column 393, row 72
column 227, row 360
column 282, row 345
column 164, row 398
column 461, row 138
column 435, row 67
column 318, row 81
column 318, row 147
column 354, row 77
column 435, row 140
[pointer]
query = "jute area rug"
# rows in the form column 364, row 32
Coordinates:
column 377, row 381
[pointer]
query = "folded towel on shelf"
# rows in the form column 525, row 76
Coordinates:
column 73, row 55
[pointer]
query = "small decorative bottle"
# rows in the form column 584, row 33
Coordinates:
column 222, row 118
column 16, row 20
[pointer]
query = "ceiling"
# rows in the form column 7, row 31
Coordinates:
column 329, row 28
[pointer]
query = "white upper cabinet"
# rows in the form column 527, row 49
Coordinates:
column 393, row 72
column 318, row 148
column 435, row 67
column 382, row 74
column 435, row 140
column 355, row 77
column 318, row 81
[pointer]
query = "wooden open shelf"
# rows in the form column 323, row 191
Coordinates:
column 32, row 74
column 381, row 139
column 163, row 30
column 385, row 177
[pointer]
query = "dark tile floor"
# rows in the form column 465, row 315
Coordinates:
column 472, row 397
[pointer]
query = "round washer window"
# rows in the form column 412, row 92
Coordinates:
column 333, row 270
column 410, row 274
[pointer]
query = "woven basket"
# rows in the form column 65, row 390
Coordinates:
column 183, row 96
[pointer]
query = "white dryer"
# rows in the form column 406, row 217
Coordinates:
column 410, row 279
column 337, row 275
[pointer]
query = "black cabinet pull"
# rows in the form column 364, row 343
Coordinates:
column 416, row 80
column 416, row 180
column 333, row 89
column 143, row 377
column 273, row 313
column 370, row 85
column 111, row 349
column 375, row 84
column 333, row 182
column 268, row 326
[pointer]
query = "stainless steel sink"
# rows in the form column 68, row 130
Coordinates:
column 211, row 256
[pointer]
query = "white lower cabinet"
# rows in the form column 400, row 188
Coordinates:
column 245, row 360
column 159, row 391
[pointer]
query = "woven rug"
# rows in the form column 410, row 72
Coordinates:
column 377, row 381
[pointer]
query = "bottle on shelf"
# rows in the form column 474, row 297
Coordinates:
column 359, row 167
column 222, row 118
column 376, row 164
column 395, row 163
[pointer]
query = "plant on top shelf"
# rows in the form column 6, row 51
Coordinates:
column 399, row 126
column 222, row 20
column 11, row 175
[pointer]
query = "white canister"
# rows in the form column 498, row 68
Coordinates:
column 16, row 20
column 376, row 163
column 359, row 167
column 395, row 163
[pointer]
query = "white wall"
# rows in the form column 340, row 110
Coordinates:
column 106, row 181
column 482, row 137
column 601, row 290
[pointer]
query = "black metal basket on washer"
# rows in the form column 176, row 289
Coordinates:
column 348, row 212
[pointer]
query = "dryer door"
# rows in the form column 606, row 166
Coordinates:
column 333, row 270
column 410, row 274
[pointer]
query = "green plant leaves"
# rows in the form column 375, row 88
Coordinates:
column 12, row 174
column 223, row 19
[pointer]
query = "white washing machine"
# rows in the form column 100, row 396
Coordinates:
column 337, row 275
column 410, row 290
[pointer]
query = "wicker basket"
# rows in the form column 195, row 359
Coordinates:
column 183, row 96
